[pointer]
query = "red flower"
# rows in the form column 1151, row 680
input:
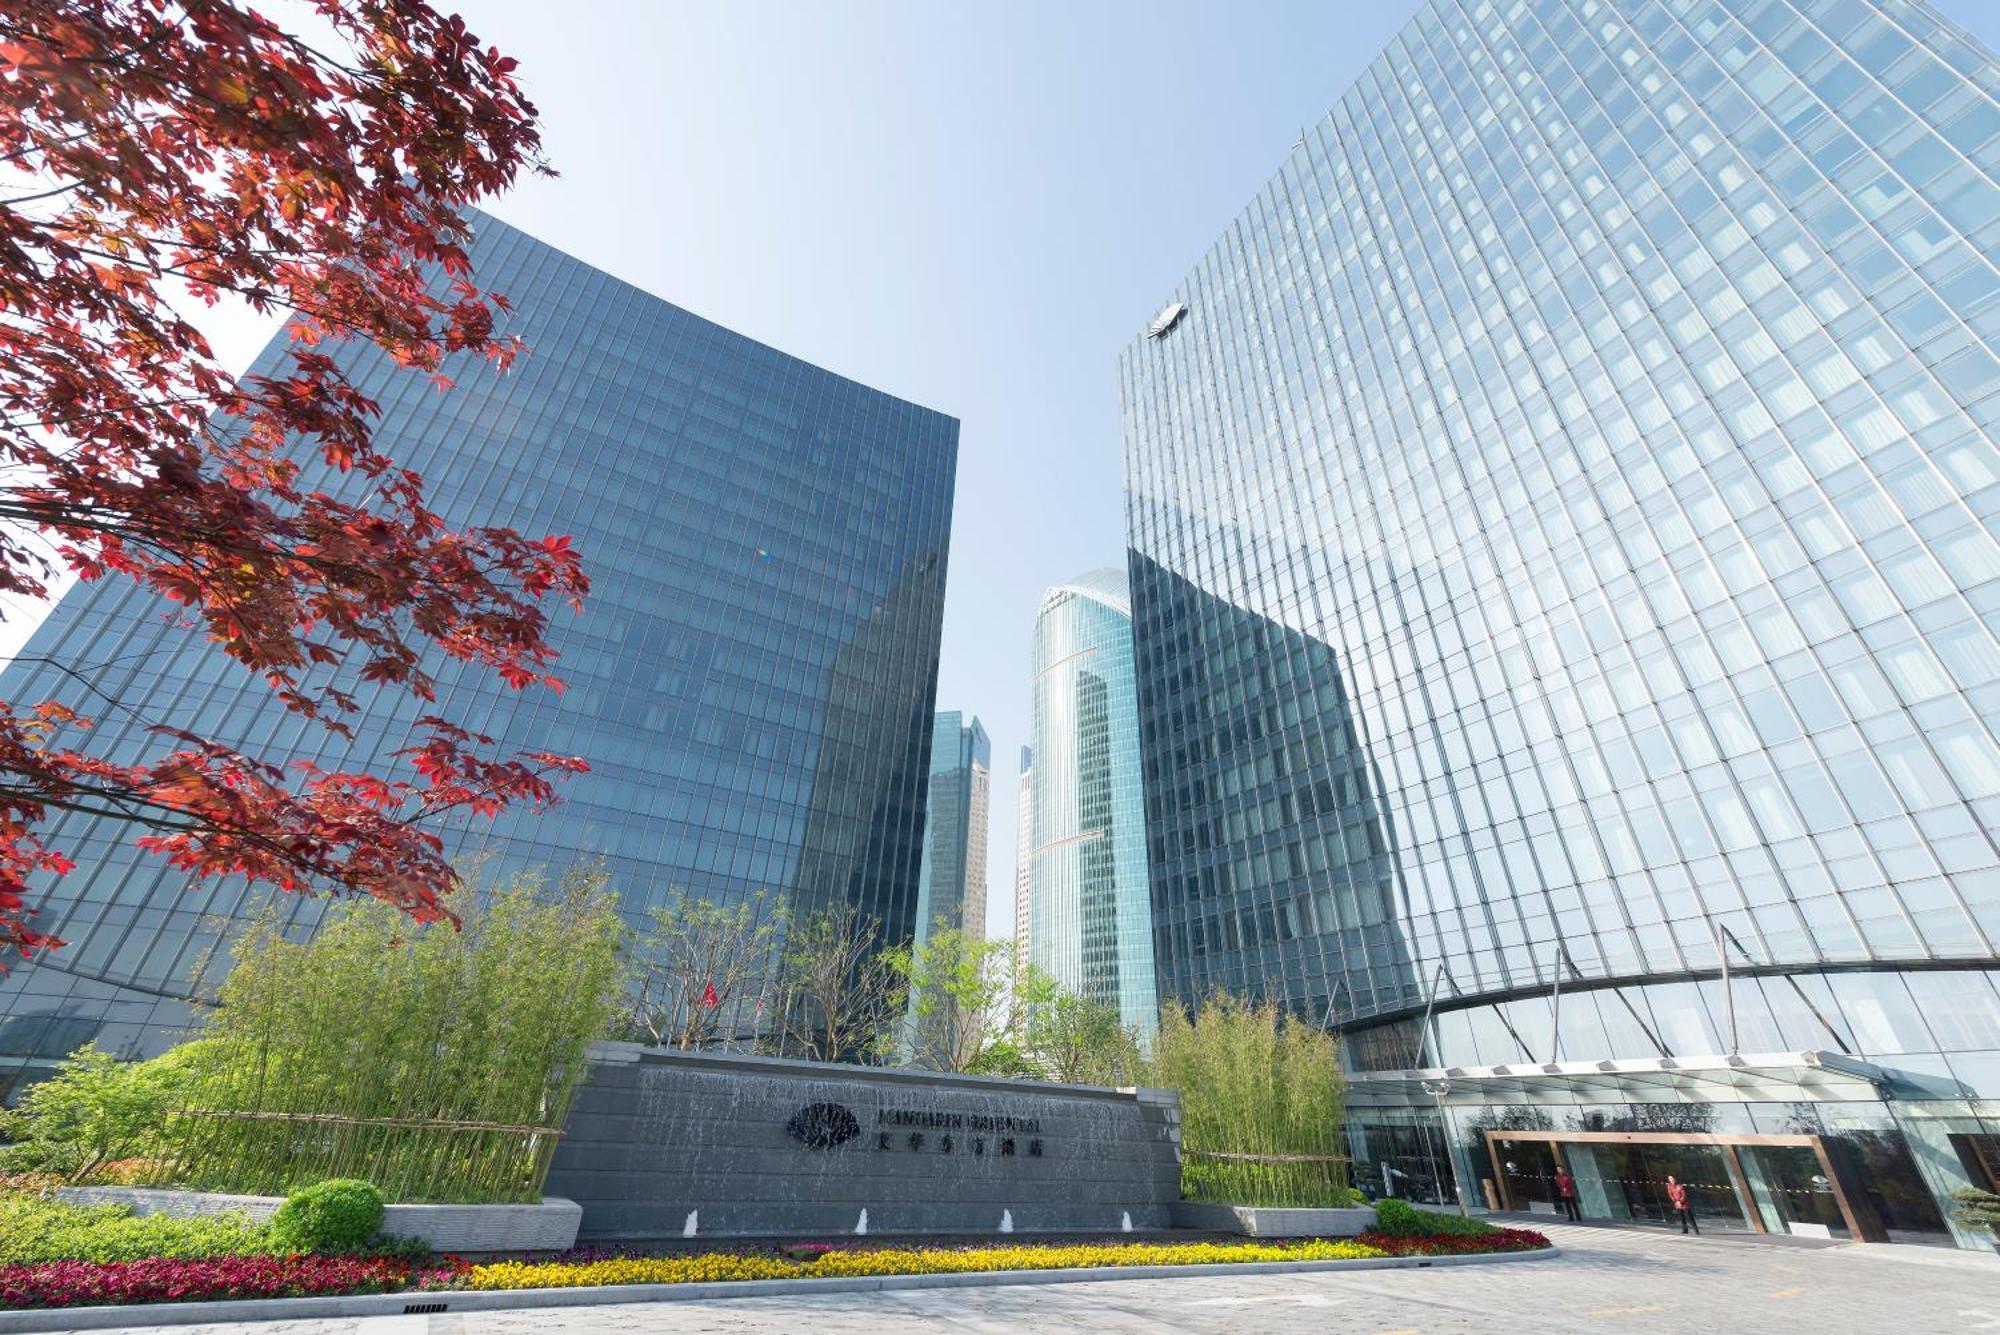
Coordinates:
column 159, row 1279
column 1499, row 1240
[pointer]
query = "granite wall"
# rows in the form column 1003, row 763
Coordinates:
column 663, row 1143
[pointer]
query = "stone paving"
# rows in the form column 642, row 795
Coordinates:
column 1618, row 1280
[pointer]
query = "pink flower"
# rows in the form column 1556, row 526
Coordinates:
column 160, row 1279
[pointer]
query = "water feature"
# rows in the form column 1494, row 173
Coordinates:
column 716, row 1145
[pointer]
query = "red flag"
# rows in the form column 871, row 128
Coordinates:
column 708, row 997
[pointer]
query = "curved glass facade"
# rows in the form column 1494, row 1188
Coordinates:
column 1089, row 917
column 1563, row 540
column 752, row 678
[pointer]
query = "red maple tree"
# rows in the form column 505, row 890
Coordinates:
column 159, row 150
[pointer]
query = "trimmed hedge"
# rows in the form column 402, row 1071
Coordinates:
column 1400, row 1219
column 337, row 1215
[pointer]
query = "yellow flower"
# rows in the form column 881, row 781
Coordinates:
column 724, row 1266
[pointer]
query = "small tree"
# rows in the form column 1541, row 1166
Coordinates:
column 960, row 993
column 1081, row 1041
column 697, row 965
column 840, row 991
column 197, row 149
column 98, row 1109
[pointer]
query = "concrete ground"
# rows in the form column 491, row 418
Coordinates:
column 1620, row 1280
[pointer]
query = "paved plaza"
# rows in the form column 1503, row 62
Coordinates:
column 1607, row 1280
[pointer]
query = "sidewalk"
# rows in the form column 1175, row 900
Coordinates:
column 1535, row 1219
column 1914, row 1253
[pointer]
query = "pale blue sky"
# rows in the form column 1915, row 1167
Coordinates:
column 975, row 207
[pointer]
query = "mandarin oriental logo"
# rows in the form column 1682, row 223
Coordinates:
column 822, row 1126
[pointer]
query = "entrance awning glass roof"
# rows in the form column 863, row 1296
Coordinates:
column 1767, row 1077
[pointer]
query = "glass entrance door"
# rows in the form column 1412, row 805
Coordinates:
column 1529, row 1168
column 1639, row 1173
column 1789, row 1187
column 1626, row 1180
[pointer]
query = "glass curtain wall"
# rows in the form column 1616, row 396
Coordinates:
column 1090, row 918
column 1588, row 444
column 953, row 884
column 752, row 678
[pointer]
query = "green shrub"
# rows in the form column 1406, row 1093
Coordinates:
column 35, row 1229
column 329, row 1217
column 1977, row 1209
column 1400, row 1219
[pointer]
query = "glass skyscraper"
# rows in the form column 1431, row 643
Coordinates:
column 1090, row 922
column 752, row 678
column 1562, row 517
column 1024, row 829
column 953, row 885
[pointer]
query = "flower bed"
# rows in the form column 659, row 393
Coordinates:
column 1498, row 1240
column 161, row 1279
column 166, row 1280
column 844, row 1263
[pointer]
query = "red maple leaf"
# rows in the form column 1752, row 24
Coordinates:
column 198, row 147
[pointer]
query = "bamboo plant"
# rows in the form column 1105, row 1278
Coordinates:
column 1261, row 1104
column 436, row 1063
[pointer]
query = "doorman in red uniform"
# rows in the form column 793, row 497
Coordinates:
column 1677, row 1193
column 1566, row 1194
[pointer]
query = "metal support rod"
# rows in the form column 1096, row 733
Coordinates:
column 1728, row 990
column 1556, row 1007
column 1424, row 1026
column 1437, row 1089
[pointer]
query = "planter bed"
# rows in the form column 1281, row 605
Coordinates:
column 549, row 1225
column 75, row 1284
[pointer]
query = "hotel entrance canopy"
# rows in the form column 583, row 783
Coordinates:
column 1770, row 1077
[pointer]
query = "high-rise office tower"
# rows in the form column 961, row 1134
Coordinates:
column 954, row 871
column 1090, row 921
column 752, row 678
column 1562, row 518
column 1023, row 842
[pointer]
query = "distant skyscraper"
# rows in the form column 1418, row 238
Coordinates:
column 752, row 678
column 1090, row 921
column 1023, row 842
column 954, row 871
column 1562, row 515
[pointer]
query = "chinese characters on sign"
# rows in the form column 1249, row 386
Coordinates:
column 828, row 1125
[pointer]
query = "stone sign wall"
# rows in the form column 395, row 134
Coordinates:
column 670, row 1144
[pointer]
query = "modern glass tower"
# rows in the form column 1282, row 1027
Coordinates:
column 1024, row 828
column 1090, row 921
column 1562, row 516
column 953, row 884
column 751, row 680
